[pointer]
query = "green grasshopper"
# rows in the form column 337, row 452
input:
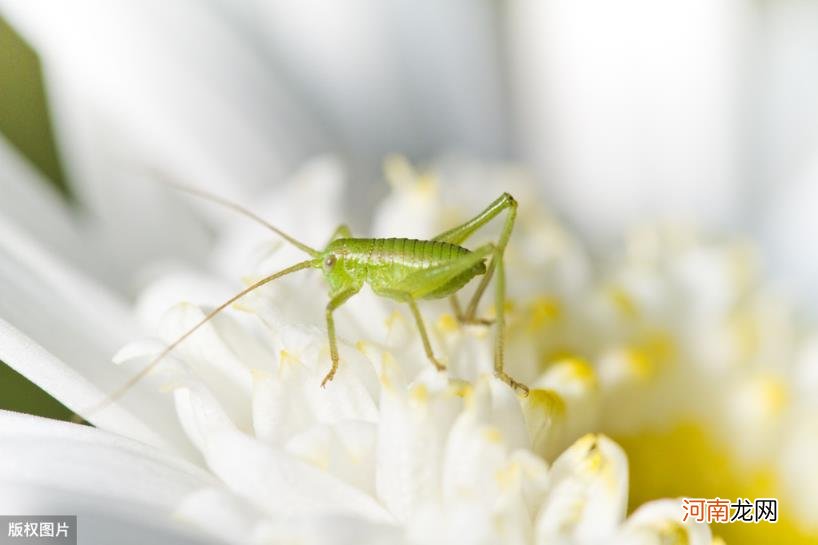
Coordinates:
column 402, row 269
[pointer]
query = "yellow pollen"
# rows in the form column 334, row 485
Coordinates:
column 460, row 388
column 426, row 186
column 673, row 533
column 579, row 369
column 398, row 171
column 492, row 310
column 773, row 393
column 507, row 476
column 594, row 462
column 284, row 357
column 259, row 374
column 387, row 364
column 419, row 394
column 492, row 435
column 546, row 310
column 639, row 363
column 743, row 330
column 447, row 323
column 393, row 318
column 547, row 401
column 623, row 302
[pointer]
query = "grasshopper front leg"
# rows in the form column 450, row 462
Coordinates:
column 333, row 304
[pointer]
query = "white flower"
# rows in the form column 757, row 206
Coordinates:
column 675, row 347
column 252, row 450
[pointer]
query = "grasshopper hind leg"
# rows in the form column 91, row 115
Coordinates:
column 459, row 234
column 465, row 319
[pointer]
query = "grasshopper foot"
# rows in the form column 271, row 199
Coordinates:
column 474, row 320
column 519, row 387
column 439, row 366
column 327, row 379
column 330, row 375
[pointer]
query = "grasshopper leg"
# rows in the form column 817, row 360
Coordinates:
column 463, row 318
column 409, row 299
column 333, row 304
column 459, row 234
column 499, row 337
column 427, row 347
column 342, row 231
column 498, row 265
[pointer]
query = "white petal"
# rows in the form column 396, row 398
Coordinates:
column 352, row 394
column 85, row 460
column 565, row 404
column 477, row 447
column 225, row 113
column 60, row 331
column 345, row 449
column 661, row 522
column 99, row 520
column 221, row 514
column 278, row 404
column 225, row 515
column 588, row 495
column 271, row 478
column 474, row 456
column 31, row 202
column 131, row 218
column 211, row 359
column 412, row 431
column 225, row 122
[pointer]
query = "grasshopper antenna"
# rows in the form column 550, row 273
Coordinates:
column 241, row 210
column 210, row 315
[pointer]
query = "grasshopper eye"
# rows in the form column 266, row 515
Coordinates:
column 329, row 262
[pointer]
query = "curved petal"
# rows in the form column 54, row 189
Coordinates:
column 38, row 452
column 588, row 494
column 102, row 250
column 269, row 477
column 224, row 122
column 413, row 427
column 228, row 516
column 33, row 203
column 226, row 109
column 60, row 331
column 661, row 522
column 99, row 521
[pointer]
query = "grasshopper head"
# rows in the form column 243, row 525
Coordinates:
column 340, row 270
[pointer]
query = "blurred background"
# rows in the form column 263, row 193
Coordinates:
column 702, row 111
